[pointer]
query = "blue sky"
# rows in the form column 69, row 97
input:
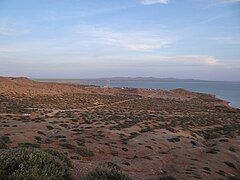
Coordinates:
column 91, row 38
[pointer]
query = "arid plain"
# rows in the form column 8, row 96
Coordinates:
column 149, row 134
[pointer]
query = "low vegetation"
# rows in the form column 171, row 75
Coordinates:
column 107, row 171
column 33, row 163
column 136, row 130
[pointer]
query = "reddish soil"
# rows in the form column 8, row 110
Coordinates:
column 148, row 133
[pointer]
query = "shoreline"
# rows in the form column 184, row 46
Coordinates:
column 57, row 87
column 227, row 101
column 224, row 102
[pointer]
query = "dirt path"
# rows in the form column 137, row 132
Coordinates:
column 55, row 111
column 12, row 114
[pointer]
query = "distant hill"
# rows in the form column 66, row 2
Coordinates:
column 153, row 79
column 150, row 79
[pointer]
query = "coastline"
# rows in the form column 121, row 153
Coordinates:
column 221, row 102
column 228, row 100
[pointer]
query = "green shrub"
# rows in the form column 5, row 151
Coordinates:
column 126, row 163
column 4, row 140
column 232, row 149
column 3, row 145
column 213, row 151
column 175, row 139
column 84, row 152
column 67, row 146
column 111, row 165
column 230, row 164
column 233, row 177
column 42, row 133
column 167, row 178
column 19, row 164
column 50, row 127
column 80, row 141
column 38, row 139
column 207, row 168
column 59, row 155
column 107, row 171
column 114, row 153
column 75, row 157
column 28, row 145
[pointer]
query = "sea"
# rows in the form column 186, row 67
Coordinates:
column 229, row 91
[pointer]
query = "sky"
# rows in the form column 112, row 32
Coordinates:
column 197, row 39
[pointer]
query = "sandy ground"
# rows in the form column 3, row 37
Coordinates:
column 148, row 133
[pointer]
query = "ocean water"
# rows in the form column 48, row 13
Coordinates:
column 229, row 91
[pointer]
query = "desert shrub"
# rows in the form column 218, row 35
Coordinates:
column 111, row 165
column 167, row 178
column 75, row 157
column 80, row 141
column 69, row 114
column 233, row 177
column 213, row 151
column 223, row 140
column 48, row 141
column 230, row 164
column 232, row 149
column 28, row 145
column 193, row 143
column 32, row 163
column 38, row 139
column 221, row 172
column 147, row 157
column 42, row 133
column 114, row 153
column 126, row 163
column 144, row 130
column 64, row 125
column 108, row 171
column 3, row 145
column 175, row 139
column 67, row 146
column 149, row 147
column 133, row 135
column 84, row 152
column 50, row 127
column 4, row 140
column 207, row 168
column 59, row 155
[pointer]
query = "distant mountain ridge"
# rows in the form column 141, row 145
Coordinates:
column 150, row 79
column 153, row 79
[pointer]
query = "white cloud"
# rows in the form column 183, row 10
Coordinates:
column 11, row 29
column 115, row 63
column 149, row 2
column 11, row 49
column 8, row 31
column 136, row 41
column 130, row 40
column 164, row 61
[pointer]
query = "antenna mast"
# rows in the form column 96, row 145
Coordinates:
column 108, row 83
